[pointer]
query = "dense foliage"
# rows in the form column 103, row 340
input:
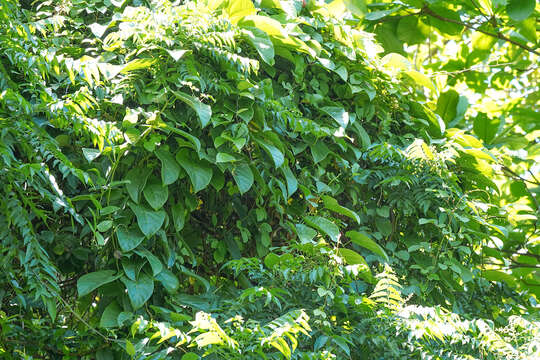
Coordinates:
column 276, row 179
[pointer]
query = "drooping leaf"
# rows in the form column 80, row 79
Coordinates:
column 139, row 291
column 110, row 315
column 262, row 43
column 365, row 241
column 153, row 260
column 137, row 178
column 447, row 105
column 485, row 127
column 243, row 176
column 156, row 195
column 149, row 221
column 352, row 257
column 323, row 225
column 170, row 169
column 90, row 282
column 203, row 111
column 332, row 204
column 128, row 239
column 168, row 280
column 519, row 10
column 199, row 171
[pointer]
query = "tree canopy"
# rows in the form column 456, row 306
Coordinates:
column 269, row 179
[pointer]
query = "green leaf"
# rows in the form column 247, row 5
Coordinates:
column 270, row 260
column 130, row 349
column 204, row 112
column 305, row 233
column 238, row 9
column 332, row 204
column 421, row 79
column 444, row 26
column 292, row 183
column 447, row 105
column 351, row 257
column 274, row 152
column 243, row 177
column 139, row 291
column 498, row 275
column 104, row 225
column 323, row 225
column 168, row 280
column 338, row 114
column 170, row 169
column 486, row 128
column 262, row 43
column 409, row 30
column 224, row 158
column 154, row 262
column 110, row 315
column 89, row 282
column 90, row 154
column 137, row 64
column 319, row 151
column 179, row 213
column 190, row 356
column 365, row 241
column 519, row 10
column 149, row 221
column 128, row 239
column 156, row 195
column 199, row 171
column 137, row 178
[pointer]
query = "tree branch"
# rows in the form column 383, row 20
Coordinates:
column 426, row 10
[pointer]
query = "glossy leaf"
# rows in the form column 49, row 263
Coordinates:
column 90, row 282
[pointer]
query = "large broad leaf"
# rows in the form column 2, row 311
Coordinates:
column 486, row 128
column 179, row 213
column 332, row 204
column 323, row 225
column 149, row 221
column 421, row 79
column 170, row 169
column 110, row 315
column 204, row 112
column 153, row 260
column 168, row 280
column 137, row 178
column 519, row 10
column 199, row 171
column 365, row 241
column 129, row 239
column 319, row 151
column 292, row 183
column 139, row 291
column 90, row 282
column 351, row 257
column 411, row 31
column 338, row 114
column 270, row 26
column 238, row 9
column 262, row 43
column 243, row 176
column 156, row 195
column 274, row 152
column 447, row 105
column 305, row 233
